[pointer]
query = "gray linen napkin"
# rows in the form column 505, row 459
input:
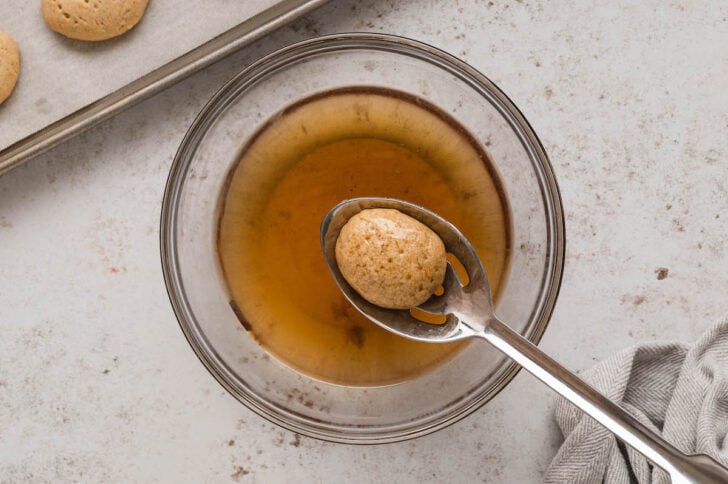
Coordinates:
column 678, row 391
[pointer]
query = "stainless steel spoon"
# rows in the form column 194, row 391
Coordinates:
column 469, row 311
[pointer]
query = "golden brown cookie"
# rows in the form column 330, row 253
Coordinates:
column 9, row 65
column 92, row 19
column 390, row 259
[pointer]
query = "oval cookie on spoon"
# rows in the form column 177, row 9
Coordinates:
column 92, row 19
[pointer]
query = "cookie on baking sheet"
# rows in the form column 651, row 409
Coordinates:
column 9, row 65
column 92, row 19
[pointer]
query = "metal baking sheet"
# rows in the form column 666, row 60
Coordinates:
column 67, row 86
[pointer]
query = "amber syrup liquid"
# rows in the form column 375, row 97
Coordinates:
column 340, row 144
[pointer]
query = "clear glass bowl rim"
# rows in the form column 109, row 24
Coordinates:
column 556, row 235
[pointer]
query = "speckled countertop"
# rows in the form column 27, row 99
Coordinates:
column 97, row 383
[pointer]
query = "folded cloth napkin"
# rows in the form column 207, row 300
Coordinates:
column 680, row 392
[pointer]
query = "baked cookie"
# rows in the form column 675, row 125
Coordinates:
column 390, row 259
column 9, row 65
column 92, row 19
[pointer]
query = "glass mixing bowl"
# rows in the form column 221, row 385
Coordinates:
column 198, row 292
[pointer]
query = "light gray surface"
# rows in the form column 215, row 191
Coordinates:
column 98, row 383
column 59, row 76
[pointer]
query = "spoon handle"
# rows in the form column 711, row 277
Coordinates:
column 682, row 468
